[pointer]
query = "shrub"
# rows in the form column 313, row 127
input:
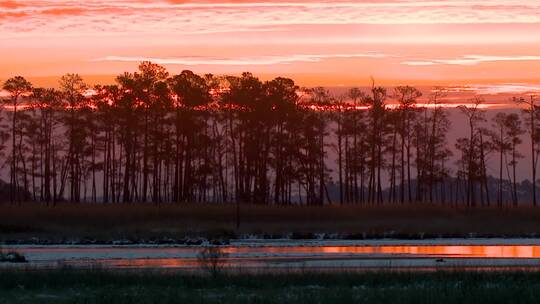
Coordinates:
column 12, row 257
column 212, row 259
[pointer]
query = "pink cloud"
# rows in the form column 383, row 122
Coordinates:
column 426, row 39
column 241, row 61
column 198, row 17
column 471, row 60
column 494, row 89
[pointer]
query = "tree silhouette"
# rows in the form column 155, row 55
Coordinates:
column 531, row 113
column 73, row 89
column 315, row 125
column 470, row 146
column 514, row 131
column 190, row 92
column 357, row 153
column 45, row 105
column 407, row 97
column 504, row 140
column 16, row 87
column 188, row 138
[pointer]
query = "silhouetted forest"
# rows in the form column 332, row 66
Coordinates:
column 161, row 138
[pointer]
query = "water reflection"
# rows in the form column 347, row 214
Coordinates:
column 472, row 251
column 289, row 256
column 446, row 251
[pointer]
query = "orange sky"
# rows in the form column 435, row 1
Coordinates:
column 316, row 42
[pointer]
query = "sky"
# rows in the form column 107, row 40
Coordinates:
column 328, row 43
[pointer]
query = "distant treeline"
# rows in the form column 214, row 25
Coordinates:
column 155, row 137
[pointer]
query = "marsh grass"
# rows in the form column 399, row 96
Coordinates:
column 169, row 222
column 99, row 286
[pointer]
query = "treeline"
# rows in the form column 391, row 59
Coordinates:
column 155, row 137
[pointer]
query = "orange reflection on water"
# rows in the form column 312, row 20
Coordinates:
column 187, row 257
column 150, row 263
column 479, row 251
column 260, row 256
column 446, row 251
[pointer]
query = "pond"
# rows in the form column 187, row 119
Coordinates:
column 292, row 254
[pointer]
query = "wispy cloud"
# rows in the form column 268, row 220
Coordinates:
column 494, row 89
column 93, row 16
column 70, row 33
column 240, row 61
column 469, row 60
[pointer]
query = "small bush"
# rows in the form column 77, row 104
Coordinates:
column 12, row 257
column 212, row 260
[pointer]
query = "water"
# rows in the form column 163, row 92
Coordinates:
column 297, row 255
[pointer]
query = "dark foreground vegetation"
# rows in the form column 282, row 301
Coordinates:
column 73, row 286
column 89, row 223
column 155, row 137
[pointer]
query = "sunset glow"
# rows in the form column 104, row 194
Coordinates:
column 280, row 151
column 316, row 42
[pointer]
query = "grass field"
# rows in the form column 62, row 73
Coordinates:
column 71, row 286
column 104, row 223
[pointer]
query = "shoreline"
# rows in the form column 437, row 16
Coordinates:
column 268, row 255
